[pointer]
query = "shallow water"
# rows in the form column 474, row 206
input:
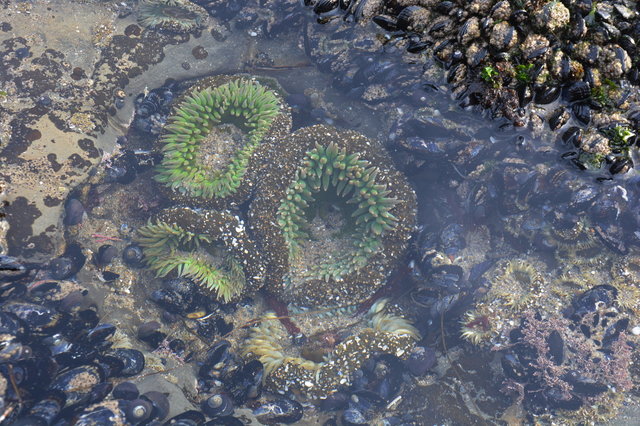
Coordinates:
column 488, row 193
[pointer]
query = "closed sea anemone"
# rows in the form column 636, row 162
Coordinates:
column 213, row 138
column 209, row 247
column 287, row 368
column 343, row 216
column 179, row 16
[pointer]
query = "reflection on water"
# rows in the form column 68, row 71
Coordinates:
column 517, row 296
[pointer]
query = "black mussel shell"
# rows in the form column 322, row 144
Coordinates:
column 150, row 333
column 10, row 324
column 101, row 415
column 159, row 401
column 122, row 169
column 12, row 350
column 590, row 300
column 225, row 421
column 179, row 296
column 613, row 332
column 11, row 269
column 582, row 113
column 478, row 57
column 621, row 166
column 89, row 375
column 132, row 359
column 513, row 369
column 558, row 118
column 405, row 17
column 62, row 268
column 108, row 276
column 45, row 410
column 573, row 136
column 420, row 360
column 106, row 253
column 178, row 347
column 218, row 405
column 323, row 6
column 100, row 333
column 354, row 416
column 555, row 344
column 78, row 354
column 110, row 365
column 74, row 212
column 216, row 356
column 578, row 91
column 100, row 392
column 417, row 46
column 38, row 319
column 246, row 383
column 335, row 401
column 125, row 390
column 628, row 43
column 67, row 265
column 546, row 94
column 81, row 321
column 138, row 410
column 282, row 410
column 32, row 374
column 133, row 256
column 188, row 418
column 386, row 22
column 583, row 385
column 211, row 326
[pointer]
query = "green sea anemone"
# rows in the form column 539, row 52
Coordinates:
column 209, row 247
column 212, row 143
column 179, row 16
column 342, row 213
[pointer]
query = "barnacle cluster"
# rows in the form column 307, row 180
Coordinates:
column 212, row 248
column 287, row 369
column 179, row 16
column 211, row 140
column 343, row 217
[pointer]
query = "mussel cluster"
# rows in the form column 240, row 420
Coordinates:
column 377, row 384
column 56, row 358
column 227, row 382
column 567, row 362
column 152, row 109
column 572, row 64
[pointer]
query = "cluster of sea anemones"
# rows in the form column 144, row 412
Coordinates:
column 330, row 214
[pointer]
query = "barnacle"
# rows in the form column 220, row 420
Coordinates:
column 342, row 214
column 287, row 370
column 212, row 138
column 209, row 247
column 180, row 16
